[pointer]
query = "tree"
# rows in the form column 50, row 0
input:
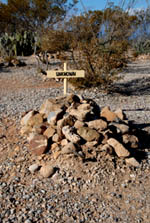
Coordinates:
column 33, row 14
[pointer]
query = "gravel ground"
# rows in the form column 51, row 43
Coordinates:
column 103, row 191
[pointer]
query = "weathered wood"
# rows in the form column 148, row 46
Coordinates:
column 65, row 74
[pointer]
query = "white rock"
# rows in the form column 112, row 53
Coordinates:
column 33, row 168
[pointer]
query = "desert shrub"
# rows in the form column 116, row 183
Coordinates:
column 141, row 46
column 97, row 41
column 103, row 48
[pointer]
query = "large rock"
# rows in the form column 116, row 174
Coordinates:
column 98, row 124
column 120, row 150
column 38, row 144
column 70, row 134
column 88, row 134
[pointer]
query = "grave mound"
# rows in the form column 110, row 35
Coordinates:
column 74, row 126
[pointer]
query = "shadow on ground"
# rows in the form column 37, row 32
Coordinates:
column 138, row 68
column 138, row 86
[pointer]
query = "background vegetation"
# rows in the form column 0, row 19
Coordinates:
column 96, row 41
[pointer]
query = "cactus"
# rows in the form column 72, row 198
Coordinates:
column 23, row 43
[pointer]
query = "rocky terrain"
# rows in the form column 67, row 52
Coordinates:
column 97, row 185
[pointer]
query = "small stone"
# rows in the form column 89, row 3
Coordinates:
column 91, row 144
column 120, row 150
column 56, row 154
column 130, row 140
column 35, row 120
column 121, row 127
column 54, row 147
column 28, row 221
column 49, row 132
column 98, row 124
column 25, row 130
column 132, row 161
column 33, row 168
column 107, row 148
column 31, row 136
column 78, row 124
column 47, row 171
column 106, row 135
column 88, row 134
column 80, row 115
column 68, row 149
column 38, row 144
column 26, row 117
column 56, row 138
column 108, row 114
column 84, row 107
column 120, row 114
column 52, row 117
column 67, row 120
column 70, row 135
column 64, row 142
column 73, row 98
column 39, row 129
column 55, row 115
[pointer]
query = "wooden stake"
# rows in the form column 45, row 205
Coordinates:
column 65, row 74
column 65, row 80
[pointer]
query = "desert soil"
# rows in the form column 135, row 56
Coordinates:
column 100, row 191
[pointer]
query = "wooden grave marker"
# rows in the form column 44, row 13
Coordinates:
column 65, row 74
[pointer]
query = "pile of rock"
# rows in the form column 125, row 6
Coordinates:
column 78, row 126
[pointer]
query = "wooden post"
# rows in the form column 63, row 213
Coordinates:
column 65, row 80
column 65, row 74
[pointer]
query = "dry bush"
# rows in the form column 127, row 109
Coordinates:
column 98, row 42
